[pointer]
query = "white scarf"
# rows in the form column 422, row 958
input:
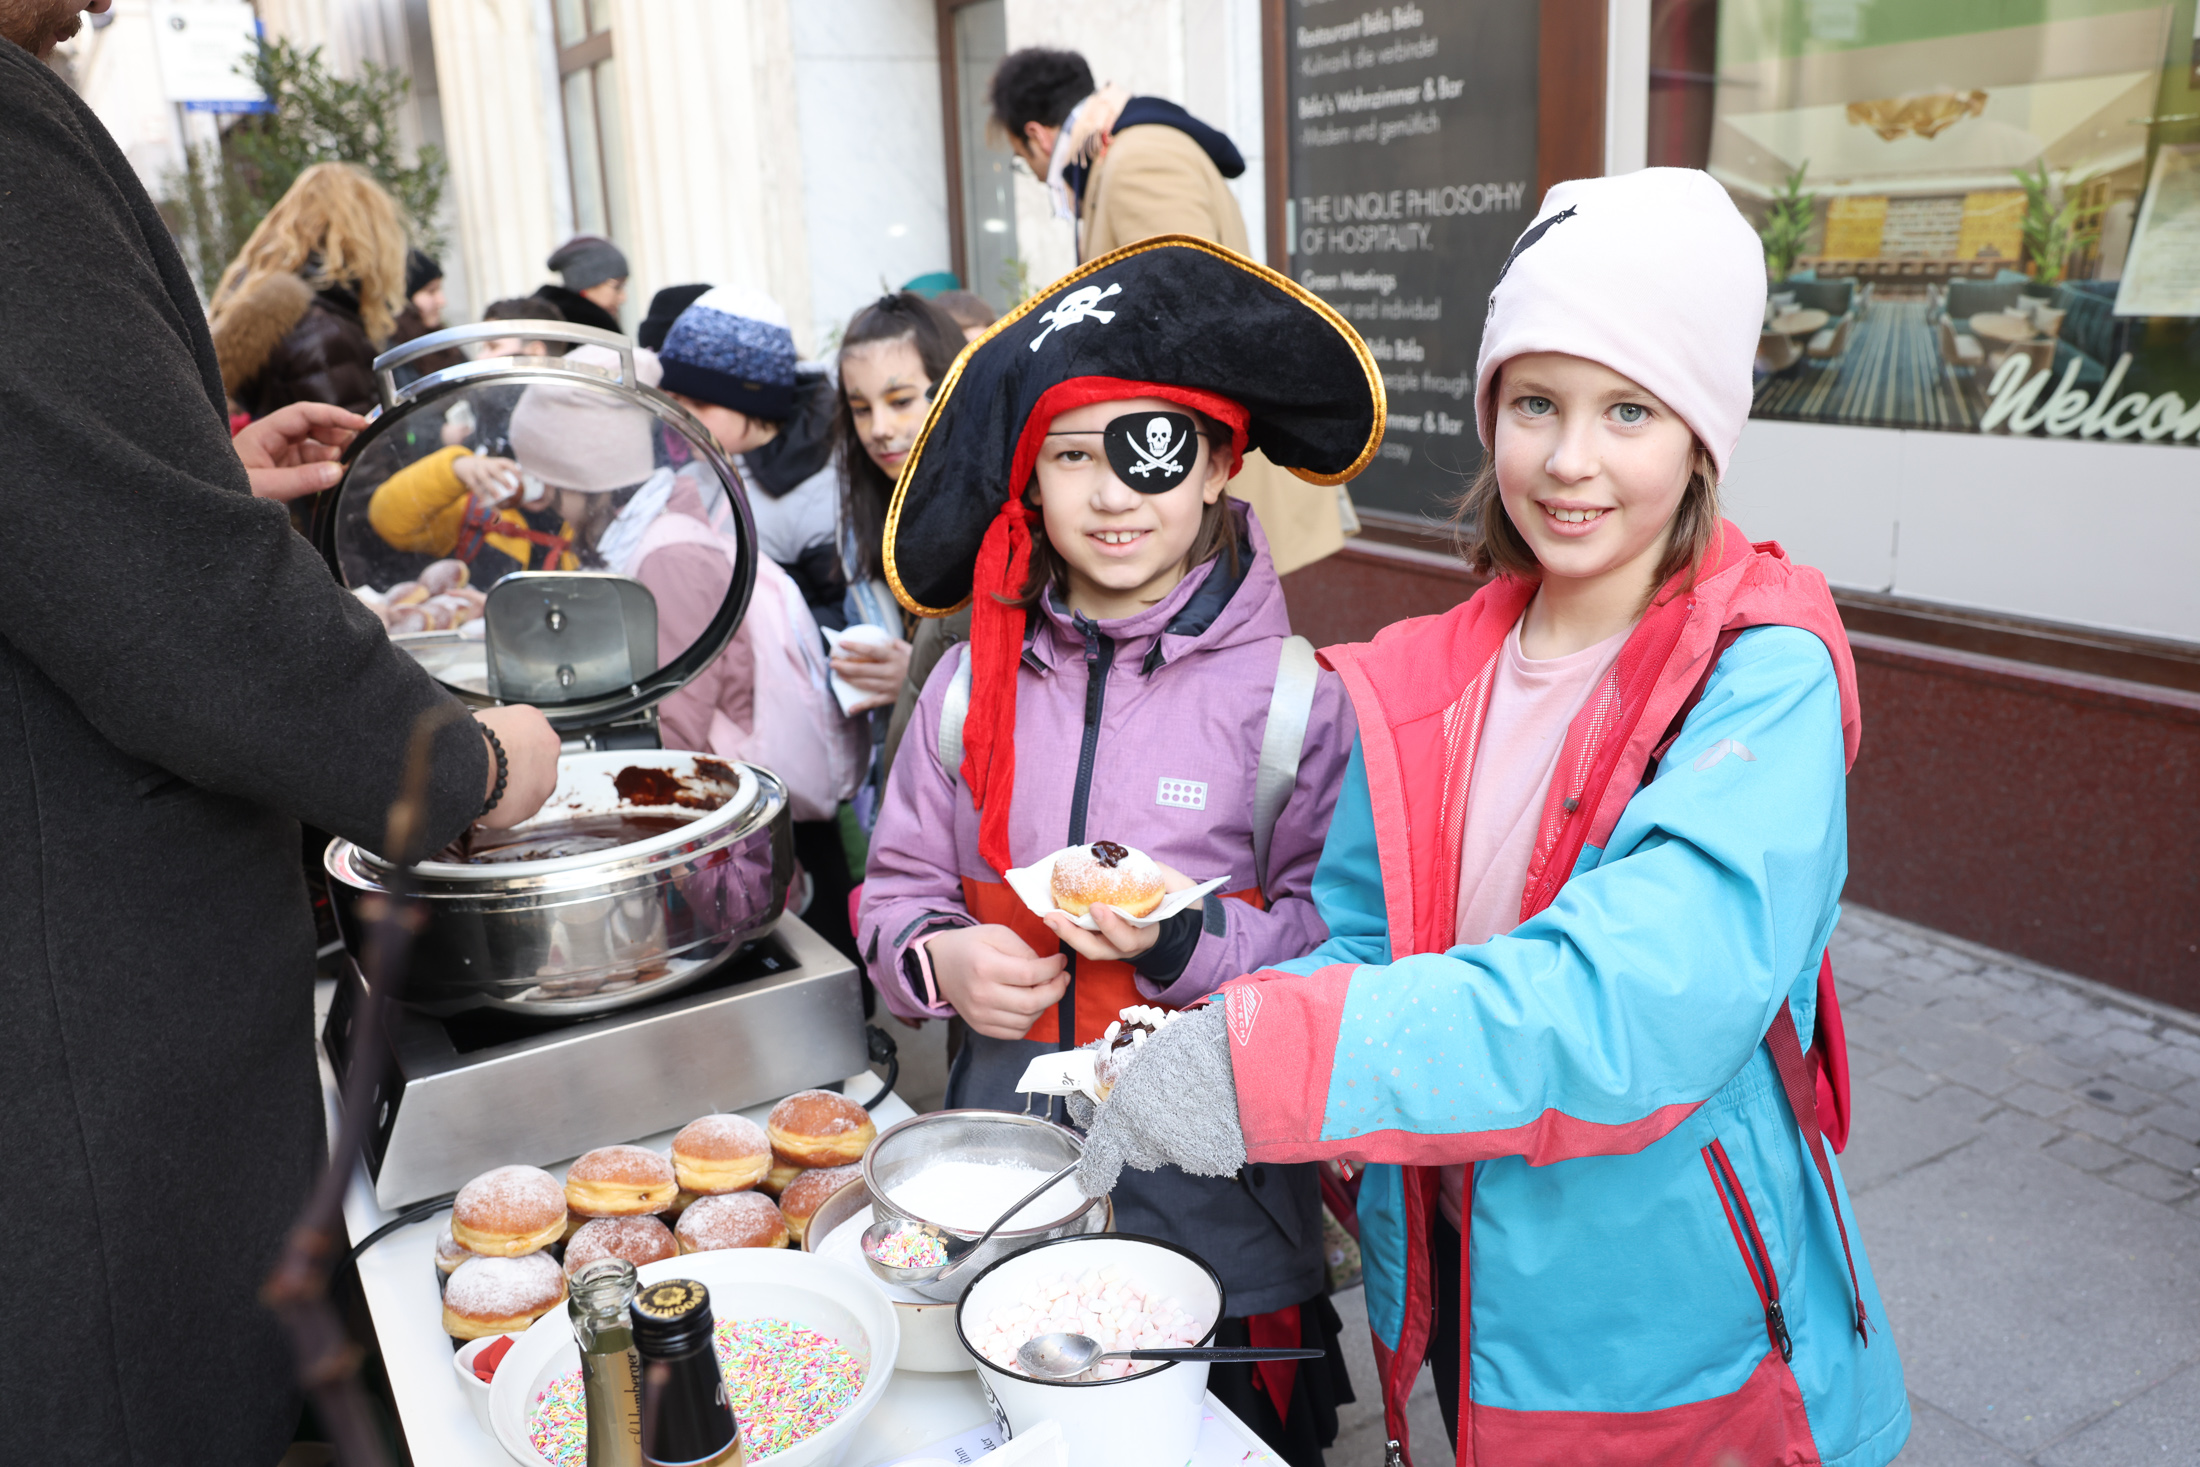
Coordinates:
column 1084, row 137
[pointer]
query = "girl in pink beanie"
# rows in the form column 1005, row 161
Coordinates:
column 1575, row 1006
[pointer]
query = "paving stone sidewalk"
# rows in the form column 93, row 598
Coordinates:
column 2023, row 1164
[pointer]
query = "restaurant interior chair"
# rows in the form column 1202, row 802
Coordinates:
column 1828, row 344
column 1960, row 349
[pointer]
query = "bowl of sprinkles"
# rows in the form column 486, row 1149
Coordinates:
column 806, row 1349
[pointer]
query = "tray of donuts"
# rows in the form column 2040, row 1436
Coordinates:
column 517, row 1233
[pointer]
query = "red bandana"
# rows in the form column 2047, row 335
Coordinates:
column 1004, row 561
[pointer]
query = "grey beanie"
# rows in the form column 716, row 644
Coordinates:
column 585, row 260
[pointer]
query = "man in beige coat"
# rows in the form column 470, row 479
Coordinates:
column 1122, row 169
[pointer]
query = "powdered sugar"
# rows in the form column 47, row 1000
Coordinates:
column 510, row 1199
column 735, row 1220
column 967, row 1195
column 621, row 1164
column 499, row 1288
column 638, row 1240
column 721, row 1138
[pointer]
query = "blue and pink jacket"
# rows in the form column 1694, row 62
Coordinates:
column 1653, row 1268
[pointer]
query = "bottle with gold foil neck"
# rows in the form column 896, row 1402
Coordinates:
column 611, row 1371
column 686, row 1419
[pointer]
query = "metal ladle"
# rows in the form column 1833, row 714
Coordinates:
column 953, row 1251
column 1062, row 1355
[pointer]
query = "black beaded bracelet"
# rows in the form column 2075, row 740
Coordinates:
column 504, row 767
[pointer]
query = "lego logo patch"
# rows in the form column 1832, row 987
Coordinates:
column 1184, row 794
column 1240, row 1009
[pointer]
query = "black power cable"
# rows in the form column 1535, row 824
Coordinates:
column 418, row 1212
column 883, row 1051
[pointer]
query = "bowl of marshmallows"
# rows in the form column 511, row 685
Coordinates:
column 1125, row 1291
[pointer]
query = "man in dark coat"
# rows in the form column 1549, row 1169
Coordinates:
column 180, row 681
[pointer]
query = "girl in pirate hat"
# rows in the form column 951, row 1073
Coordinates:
column 1130, row 678
column 1575, row 1002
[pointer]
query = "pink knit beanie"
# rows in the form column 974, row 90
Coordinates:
column 1654, row 274
column 584, row 438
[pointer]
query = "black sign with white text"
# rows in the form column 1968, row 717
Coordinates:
column 1412, row 143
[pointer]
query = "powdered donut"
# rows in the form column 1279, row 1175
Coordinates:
column 1124, row 879
column 810, row 1191
column 620, row 1181
column 448, row 1254
column 508, row 1212
column 819, row 1128
column 734, row 1220
column 638, row 1240
column 501, row 1296
column 721, row 1153
column 779, row 1178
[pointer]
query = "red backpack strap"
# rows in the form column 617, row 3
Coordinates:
column 1798, row 1077
column 1829, row 1053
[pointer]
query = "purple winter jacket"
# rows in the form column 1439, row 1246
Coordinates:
column 1183, row 703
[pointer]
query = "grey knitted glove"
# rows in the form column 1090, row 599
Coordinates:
column 1176, row 1105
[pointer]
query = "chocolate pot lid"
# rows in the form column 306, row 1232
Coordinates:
column 538, row 525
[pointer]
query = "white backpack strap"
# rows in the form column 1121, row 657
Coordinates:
column 1289, row 708
column 955, row 707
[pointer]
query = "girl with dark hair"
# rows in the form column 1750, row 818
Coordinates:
column 893, row 353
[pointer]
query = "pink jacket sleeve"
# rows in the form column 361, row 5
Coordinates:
column 913, row 885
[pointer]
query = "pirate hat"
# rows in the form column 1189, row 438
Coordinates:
column 1171, row 317
column 1174, row 318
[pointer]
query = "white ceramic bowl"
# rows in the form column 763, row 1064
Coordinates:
column 928, row 1341
column 1151, row 1417
column 744, row 1283
column 476, row 1389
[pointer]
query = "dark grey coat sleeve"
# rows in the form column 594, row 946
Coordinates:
column 184, row 618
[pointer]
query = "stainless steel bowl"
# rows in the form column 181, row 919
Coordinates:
column 588, row 934
column 977, row 1135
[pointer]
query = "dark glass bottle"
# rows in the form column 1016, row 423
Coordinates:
column 686, row 1419
column 611, row 1373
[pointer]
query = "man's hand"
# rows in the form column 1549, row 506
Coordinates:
column 1117, row 941
column 490, row 481
column 994, row 980
column 531, row 748
column 292, row 452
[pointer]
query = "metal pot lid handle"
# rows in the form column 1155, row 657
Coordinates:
column 386, row 365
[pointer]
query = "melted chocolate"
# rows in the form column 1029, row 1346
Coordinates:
column 640, row 784
column 1108, row 853
column 577, row 836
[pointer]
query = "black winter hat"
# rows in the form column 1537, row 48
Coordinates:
column 421, row 271
column 1173, row 311
column 665, row 308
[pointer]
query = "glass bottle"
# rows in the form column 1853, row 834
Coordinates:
column 686, row 1419
column 611, row 1371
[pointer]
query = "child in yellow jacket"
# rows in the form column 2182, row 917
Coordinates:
column 471, row 507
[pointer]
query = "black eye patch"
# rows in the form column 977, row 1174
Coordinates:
column 1152, row 452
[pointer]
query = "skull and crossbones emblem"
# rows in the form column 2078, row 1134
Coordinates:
column 1160, row 454
column 1147, row 450
column 1078, row 305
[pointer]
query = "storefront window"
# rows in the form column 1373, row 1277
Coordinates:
column 977, row 34
column 595, row 145
column 1977, row 217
